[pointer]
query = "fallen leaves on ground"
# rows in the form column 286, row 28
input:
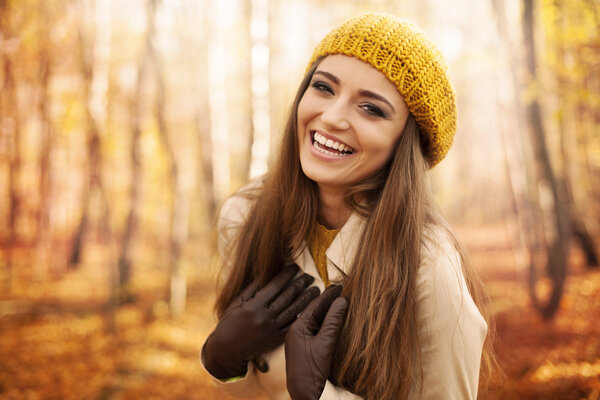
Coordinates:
column 555, row 359
column 60, row 342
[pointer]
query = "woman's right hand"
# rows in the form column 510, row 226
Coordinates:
column 256, row 321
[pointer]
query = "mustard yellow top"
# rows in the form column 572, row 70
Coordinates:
column 318, row 243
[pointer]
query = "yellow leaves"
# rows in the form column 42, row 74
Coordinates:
column 571, row 370
column 68, row 356
column 168, row 334
column 586, row 288
column 165, row 362
column 557, row 359
column 55, row 356
column 128, row 316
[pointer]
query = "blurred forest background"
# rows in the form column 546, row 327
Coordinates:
column 125, row 124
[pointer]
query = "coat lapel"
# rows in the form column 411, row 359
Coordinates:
column 341, row 253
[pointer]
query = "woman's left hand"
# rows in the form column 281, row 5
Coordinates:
column 309, row 345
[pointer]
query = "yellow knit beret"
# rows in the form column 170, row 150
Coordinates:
column 411, row 62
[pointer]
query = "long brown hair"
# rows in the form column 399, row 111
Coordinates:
column 380, row 337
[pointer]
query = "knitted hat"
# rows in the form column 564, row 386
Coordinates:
column 411, row 62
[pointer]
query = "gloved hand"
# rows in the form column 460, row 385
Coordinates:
column 309, row 346
column 256, row 322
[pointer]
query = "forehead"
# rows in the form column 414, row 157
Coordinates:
column 352, row 71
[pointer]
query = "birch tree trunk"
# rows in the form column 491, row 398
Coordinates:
column 202, row 124
column 176, row 293
column 242, row 130
column 517, row 169
column 92, row 46
column 43, row 237
column 132, row 222
column 94, row 95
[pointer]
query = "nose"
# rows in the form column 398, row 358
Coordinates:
column 335, row 115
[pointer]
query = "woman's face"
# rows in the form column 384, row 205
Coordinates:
column 349, row 121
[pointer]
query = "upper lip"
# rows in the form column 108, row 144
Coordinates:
column 328, row 136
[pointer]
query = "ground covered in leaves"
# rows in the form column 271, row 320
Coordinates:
column 59, row 341
column 556, row 359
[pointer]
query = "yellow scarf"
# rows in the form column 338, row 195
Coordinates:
column 318, row 243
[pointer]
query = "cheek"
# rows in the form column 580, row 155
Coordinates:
column 303, row 108
column 376, row 139
column 380, row 146
column 300, row 119
column 308, row 108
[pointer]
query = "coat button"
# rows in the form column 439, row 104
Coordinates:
column 261, row 364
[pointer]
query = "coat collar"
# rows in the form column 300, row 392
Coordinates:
column 343, row 248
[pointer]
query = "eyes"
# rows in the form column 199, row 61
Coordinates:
column 371, row 109
column 322, row 87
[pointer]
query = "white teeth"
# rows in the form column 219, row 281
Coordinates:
column 318, row 138
column 322, row 150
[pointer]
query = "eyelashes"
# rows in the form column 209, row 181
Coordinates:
column 322, row 87
column 369, row 108
column 373, row 110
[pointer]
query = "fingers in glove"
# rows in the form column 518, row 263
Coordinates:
column 249, row 291
column 332, row 324
column 246, row 295
column 312, row 317
column 289, row 294
column 287, row 316
column 266, row 294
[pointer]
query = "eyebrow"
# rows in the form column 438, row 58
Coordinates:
column 364, row 92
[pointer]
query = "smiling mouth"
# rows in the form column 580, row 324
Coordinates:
column 329, row 146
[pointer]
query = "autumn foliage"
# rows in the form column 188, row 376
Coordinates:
column 55, row 342
column 125, row 124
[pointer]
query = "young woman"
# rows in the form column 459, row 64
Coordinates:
column 345, row 211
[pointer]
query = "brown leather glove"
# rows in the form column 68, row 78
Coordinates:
column 256, row 322
column 309, row 346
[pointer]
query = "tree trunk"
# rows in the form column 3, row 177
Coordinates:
column 518, row 172
column 94, row 117
column 10, row 117
column 132, row 221
column 176, row 293
column 521, row 246
column 260, row 133
column 202, row 124
column 585, row 241
column 40, row 267
column 577, row 223
column 241, row 128
column 82, row 227
column 95, row 184
column 557, row 250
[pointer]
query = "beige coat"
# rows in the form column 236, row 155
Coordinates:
column 452, row 333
